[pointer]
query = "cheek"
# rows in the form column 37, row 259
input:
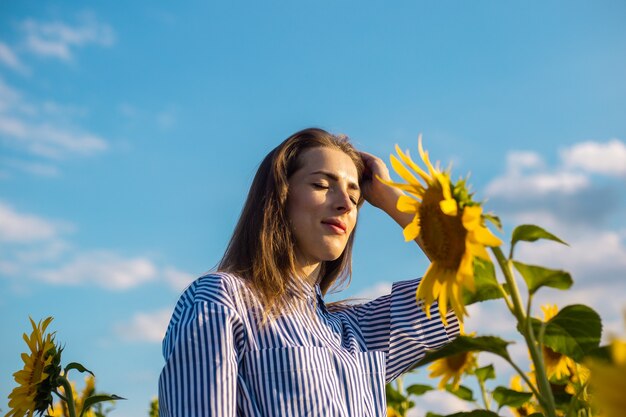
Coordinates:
column 300, row 209
column 353, row 218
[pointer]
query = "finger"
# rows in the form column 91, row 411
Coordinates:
column 369, row 158
column 374, row 165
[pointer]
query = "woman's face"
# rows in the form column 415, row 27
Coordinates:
column 322, row 205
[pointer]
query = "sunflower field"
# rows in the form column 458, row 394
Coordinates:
column 570, row 374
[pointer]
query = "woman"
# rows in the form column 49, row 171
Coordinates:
column 255, row 338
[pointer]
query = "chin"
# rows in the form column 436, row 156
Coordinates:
column 332, row 255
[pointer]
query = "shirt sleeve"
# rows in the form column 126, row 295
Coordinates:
column 199, row 378
column 397, row 325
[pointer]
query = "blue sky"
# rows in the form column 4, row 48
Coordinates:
column 129, row 137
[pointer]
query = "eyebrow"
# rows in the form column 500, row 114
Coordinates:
column 352, row 185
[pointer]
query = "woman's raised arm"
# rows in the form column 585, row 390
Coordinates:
column 381, row 195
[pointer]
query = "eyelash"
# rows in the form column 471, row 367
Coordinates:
column 325, row 187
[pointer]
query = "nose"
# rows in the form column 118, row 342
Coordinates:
column 343, row 203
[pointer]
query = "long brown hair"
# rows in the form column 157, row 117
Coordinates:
column 261, row 250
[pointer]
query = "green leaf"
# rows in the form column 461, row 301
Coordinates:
column 431, row 414
column 538, row 276
column 94, row 399
column 602, row 353
column 561, row 398
column 493, row 219
column 393, row 395
column 485, row 373
column 464, row 344
column 531, row 233
column 575, row 331
column 462, row 392
column 418, row 389
column 537, row 414
column 75, row 365
column 505, row 396
column 487, row 286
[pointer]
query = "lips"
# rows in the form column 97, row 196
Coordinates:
column 336, row 223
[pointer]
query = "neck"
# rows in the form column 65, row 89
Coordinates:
column 309, row 271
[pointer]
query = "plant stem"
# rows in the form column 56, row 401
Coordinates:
column 483, row 392
column 526, row 380
column 69, row 396
column 546, row 398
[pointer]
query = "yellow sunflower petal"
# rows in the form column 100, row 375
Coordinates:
column 416, row 189
column 424, row 156
column 484, row 236
column 477, row 250
column 466, row 267
column 444, row 181
column 412, row 230
column 456, row 301
column 407, row 204
column 402, row 171
column 449, row 207
column 425, row 290
column 618, row 351
column 471, row 217
column 406, row 158
column 443, row 304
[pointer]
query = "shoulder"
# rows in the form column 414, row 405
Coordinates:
column 215, row 294
column 221, row 291
column 215, row 287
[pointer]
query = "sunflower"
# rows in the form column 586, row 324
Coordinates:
column 60, row 408
column 38, row 378
column 450, row 227
column 558, row 366
column 608, row 381
column 391, row 412
column 529, row 407
column 154, row 407
column 452, row 367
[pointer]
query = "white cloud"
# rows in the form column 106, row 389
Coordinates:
column 374, row 291
column 520, row 160
column 439, row 402
column 43, row 129
column 18, row 227
column 102, row 268
column 50, row 141
column 178, row 280
column 11, row 100
column 35, row 168
column 481, row 319
column 166, row 119
column 10, row 59
column 47, row 251
column 603, row 158
column 145, row 327
column 57, row 39
column 514, row 184
column 527, row 176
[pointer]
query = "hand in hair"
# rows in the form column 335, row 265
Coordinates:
column 375, row 192
column 381, row 195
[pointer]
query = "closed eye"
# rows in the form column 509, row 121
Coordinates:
column 321, row 186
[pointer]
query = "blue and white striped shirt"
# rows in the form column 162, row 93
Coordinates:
column 309, row 362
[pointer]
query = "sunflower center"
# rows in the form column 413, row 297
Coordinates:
column 443, row 236
column 457, row 362
column 551, row 357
